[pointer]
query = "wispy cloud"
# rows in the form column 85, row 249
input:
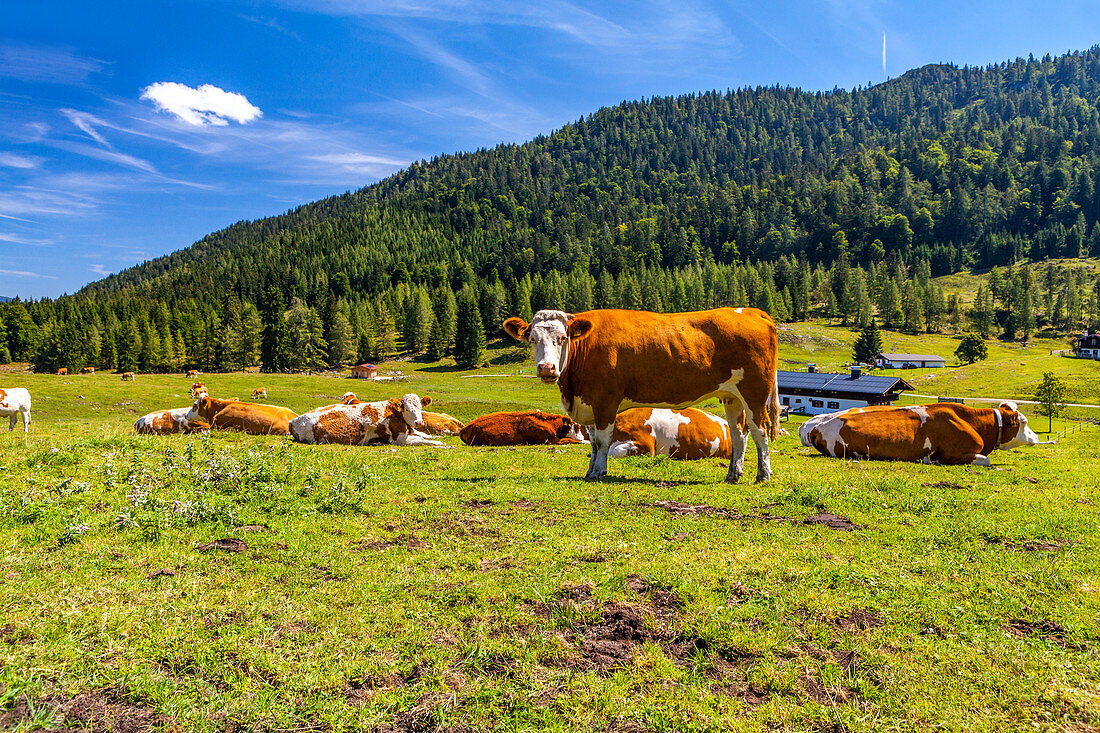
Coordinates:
column 87, row 124
column 25, row 273
column 17, row 160
column 272, row 23
column 202, row 106
column 46, row 64
column 100, row 270
column 21, row 240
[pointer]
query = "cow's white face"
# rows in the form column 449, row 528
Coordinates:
column 412, row 410
column 547, row 333
column 1025, row 435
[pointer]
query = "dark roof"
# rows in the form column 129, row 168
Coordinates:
column 364, row 366
column 912, row 357
column 823, row 382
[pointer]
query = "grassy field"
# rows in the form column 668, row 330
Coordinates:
column 451, row 588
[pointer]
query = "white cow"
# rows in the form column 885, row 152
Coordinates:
column 13, row 403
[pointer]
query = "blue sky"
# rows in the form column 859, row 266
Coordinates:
column 131, row 129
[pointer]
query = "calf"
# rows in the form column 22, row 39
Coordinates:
column 15, row 403
column 683, row 434
column 127, row 376
column 246, row 417
column 944, row 432
column 167, row 422
column 365, row 423
column 259, row 392
column 532, row 427
column 62, row 372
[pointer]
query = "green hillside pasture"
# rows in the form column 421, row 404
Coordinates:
column 453, row 588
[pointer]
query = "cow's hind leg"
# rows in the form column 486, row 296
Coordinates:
column 11, row 423
column 763, row 451
column 738, row 441
column 601, row 442
column 26, row 422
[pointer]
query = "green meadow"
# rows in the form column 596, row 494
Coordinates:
column 238, row 583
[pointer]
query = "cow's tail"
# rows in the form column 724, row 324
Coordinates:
column 773, row 408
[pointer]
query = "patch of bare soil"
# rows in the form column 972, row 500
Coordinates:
column 943, row 485
column 858, row 619
column 252, row 528
column 162, row 573
column 409, row 540
column 831, row 696
column 477, row 503
column 108, row 710
column 832, row 521
column 229, row 544
column 523, row 503
column 1051, row 631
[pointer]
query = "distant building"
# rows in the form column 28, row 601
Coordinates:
column 909, row 361
column 1087, row 347
column 814, row 393
column 364, row 371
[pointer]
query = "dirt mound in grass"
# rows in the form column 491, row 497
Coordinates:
column 832, row 521
column 858, row 619
column 1051, row 631
column 109, row 709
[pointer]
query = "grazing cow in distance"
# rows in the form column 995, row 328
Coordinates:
column 384, row 422
column 682, row 434
column 127, row 376
column 15, row 402
column 193, row 373
column 88, row 370
column 944, row 432
column 167, row 422
column 246, row 417
column 62, row 372
column 606, row 361
column 198, row 389
column 531, row 427
column 259, row 392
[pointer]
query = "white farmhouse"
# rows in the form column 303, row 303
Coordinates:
column 815, row 393
column 909, row 361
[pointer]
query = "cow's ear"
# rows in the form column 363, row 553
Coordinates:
column 425, row 401
column 578, row 327
column 1010, row 406
column 517, row 328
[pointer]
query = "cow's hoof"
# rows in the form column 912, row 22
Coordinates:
column 732, row 478
column 762, row 477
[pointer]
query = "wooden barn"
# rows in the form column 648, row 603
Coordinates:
column 364, row 371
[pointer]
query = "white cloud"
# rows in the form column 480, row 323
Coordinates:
column 361, row 163
column 86, row 123
column 100, row 270
column 45, row 64
column 206, row 105
column 24, row 273
column 15, row 160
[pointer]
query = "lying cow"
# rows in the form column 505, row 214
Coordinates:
column 682, row 434
column 435, row 423
column 944, row 432
column 15, row 403
column 167, row 422
column 247, row 417
column 198, row 389
column 607, row 361
column 532, row 427
column 365, row 423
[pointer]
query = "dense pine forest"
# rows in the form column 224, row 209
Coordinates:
column 841, row 204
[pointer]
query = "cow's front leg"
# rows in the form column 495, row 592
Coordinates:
column 601, row 441
column 738, row 442
column 980, row 460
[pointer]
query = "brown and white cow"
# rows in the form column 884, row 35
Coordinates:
column 198, row 389
column 167, row 422
column 606, row 361
column 62, row 372
column 365, row 423
column 440, row 423
column 349, row 398
column 15, row 403
column 247, row 417
column 193, row 373
column 259, row 392
column 532, row 427
column 682, row 434
column 943, row 432
column 88, row 370
column 127, row 376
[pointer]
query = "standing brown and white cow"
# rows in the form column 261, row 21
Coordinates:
column 127, row 376
column 943, row 432
column 606, row 361
column 15, row 403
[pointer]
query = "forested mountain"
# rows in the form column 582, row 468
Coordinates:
column 841, row 203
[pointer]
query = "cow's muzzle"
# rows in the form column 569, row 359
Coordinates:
column 547, row 371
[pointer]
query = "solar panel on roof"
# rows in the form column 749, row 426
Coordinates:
column 838, row 382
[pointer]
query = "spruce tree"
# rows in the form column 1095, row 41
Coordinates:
column 868, row 344
column 469, row 335
column 273, row 342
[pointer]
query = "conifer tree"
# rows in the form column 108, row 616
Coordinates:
column 469, row 335
column 868, row 344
